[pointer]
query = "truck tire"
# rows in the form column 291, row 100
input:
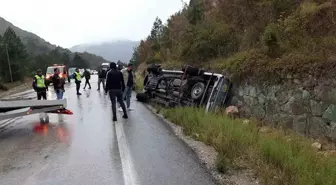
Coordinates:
column 197, row 90
column 142, row 97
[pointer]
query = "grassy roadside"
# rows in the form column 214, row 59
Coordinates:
column 139, row 82
column 278, row 158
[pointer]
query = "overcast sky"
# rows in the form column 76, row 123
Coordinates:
column 70, row 22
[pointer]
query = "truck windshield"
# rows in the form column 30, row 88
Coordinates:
column 50, row 70
column 72, row 70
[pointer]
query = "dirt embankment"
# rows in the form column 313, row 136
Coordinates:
column 16, row 87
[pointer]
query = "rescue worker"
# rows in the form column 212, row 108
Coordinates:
column 40, row 86
column 78, row 79
column 87, row 77
column 101, row 78
column 129, row 77
column 115, row 86
column 58, row 83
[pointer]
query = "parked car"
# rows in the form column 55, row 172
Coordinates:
column 189, row 87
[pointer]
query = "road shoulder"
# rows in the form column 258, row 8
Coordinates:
column 14, row 90
column 207, row 156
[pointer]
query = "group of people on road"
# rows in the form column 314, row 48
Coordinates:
column 119, row 86
column 40, row 85
column 117, row 83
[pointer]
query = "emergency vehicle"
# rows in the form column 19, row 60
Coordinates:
column 63, row 72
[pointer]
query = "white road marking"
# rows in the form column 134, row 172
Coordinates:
column 125, row 155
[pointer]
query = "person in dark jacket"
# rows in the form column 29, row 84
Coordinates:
column 58, row 83
column 101, row 78
column 87, row 77
column 115, row 86
column 40, row 85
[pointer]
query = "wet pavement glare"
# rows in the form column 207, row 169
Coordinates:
column 89, row 148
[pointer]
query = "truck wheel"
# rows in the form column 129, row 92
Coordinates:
column 197, row 90
column 142, row 97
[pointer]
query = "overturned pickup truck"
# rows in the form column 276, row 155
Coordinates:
column 189, row 87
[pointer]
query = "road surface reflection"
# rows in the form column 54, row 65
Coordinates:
column 58, row 131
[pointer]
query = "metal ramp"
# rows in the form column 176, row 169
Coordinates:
column 10, row 108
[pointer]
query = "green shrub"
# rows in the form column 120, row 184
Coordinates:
column 279, row 158
column 270, row 39
column 139, row 82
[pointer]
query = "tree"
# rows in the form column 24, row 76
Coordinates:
column 156, row 34
column 92, row 61
column 17, row 55
column 195, row 11
column 135, row 60
column 65, row 59
column 79, row 61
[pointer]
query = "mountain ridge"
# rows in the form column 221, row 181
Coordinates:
column 36, row 45
column 112, row 50
column 27, row 37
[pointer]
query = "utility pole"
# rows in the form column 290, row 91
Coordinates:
column 9, row 64
column 8, row 61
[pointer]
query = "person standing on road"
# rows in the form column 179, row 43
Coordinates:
column 87, row 77
column 115, row 86
column 129, row 79
column 78, row 79
column 101, row 78
column 41, row 87
column 58, row 83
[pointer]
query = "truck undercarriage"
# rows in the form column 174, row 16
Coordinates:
column 11, row 108
column 189, row 87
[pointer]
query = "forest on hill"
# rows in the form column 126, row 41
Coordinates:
column 15, row 59
column 22, row 53
column 259, row 38
column 46, row 52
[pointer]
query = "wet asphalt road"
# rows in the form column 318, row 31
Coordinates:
column 88, row 148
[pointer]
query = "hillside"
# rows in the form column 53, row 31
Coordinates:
column 270, row 39
column 112, row 50
column 36, row 46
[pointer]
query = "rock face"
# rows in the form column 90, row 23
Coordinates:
column 308, row 110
